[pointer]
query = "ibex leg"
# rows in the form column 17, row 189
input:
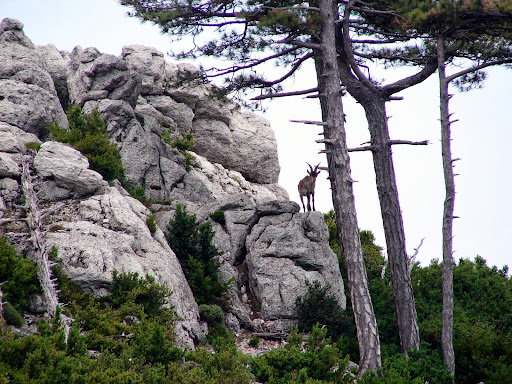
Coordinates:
column 302, row 201
column 313, row 198
column 309, row 205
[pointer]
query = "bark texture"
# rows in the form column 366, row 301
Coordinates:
column 449, row 204
column 342, row 191
column 373, row 99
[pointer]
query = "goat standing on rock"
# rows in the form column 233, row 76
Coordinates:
column 307, row 187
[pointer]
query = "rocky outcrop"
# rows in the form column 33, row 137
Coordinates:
column 283, row 252
column 65, row 168
column 269, row 249
column 28, row 98
column 108, row 232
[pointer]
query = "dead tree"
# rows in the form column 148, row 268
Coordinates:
column 34, row 221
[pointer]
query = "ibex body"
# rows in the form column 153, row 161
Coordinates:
column 307, row 187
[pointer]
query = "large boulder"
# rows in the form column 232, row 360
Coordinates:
column 28, row 98
column 107, row 233
column 283, row 252
column 150, row 64
column 94, row 76
column 68, row 168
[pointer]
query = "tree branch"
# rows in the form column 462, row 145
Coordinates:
column 323, row 123
column 254, row 63
column 393, row 142
column 361, row 149
column 284, row 94
column 407, row 82
column 348, row 47
column 476, row 68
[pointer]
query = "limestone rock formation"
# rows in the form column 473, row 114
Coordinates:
column 268, row 248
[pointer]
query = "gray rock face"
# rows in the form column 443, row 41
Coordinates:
column 150, row 64
column 68, row 167
column 107, row 232
column 246, row 144
column 284, row 251
column 28, row 98
column 269, row 249
column 95, row 76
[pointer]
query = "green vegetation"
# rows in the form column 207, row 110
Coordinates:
column 192, row 244
column 313, row 360
column 18, row 277
column 182, row 144
column 212, row 314
column 254, row 341
column 219, row 217
column 320, row 307
column 125, row 337
column 88, row 135
column 138, row 193
column 131, row 330
column 151, row 223
column 33, row 145
column 12, row 316
column 482, row 321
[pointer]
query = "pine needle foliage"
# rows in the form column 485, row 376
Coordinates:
column 88, row 135
column 192, row 244
column 18, row 276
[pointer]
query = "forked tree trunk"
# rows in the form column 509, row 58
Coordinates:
column 449, row 204
column 342, row 192
column 373, row 99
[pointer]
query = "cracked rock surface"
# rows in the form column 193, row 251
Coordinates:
column 269, row 249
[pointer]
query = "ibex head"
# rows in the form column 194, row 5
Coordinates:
column 313, row 172
column 307, row 186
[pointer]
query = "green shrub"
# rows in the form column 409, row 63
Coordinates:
column 219, row 217
column 33, row 145
column 422, row 366
column 151, row 223
column 12, row 316
column 211, row 313
column 254, row 341
column 139, row 193
column 320, row 306
column 128, row 287
column 192, row 244
column 182, row 144
column 17, row 275
column 88, row 135
column 302, row 361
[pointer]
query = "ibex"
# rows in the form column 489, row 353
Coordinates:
column 307, row 187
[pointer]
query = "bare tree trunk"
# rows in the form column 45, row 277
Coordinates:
column 342, row 191
column 373, row 99
column 449, row 203
column 34, row 220
column 34, row 223
column 403, row 296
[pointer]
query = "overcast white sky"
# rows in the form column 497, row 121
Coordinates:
column 482, row 137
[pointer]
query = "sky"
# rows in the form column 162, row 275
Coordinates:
column 481, row 137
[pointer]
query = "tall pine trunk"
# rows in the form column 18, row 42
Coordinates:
column 342, row 192
column 449, row 204
column 373, row 99
column 403, row 296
